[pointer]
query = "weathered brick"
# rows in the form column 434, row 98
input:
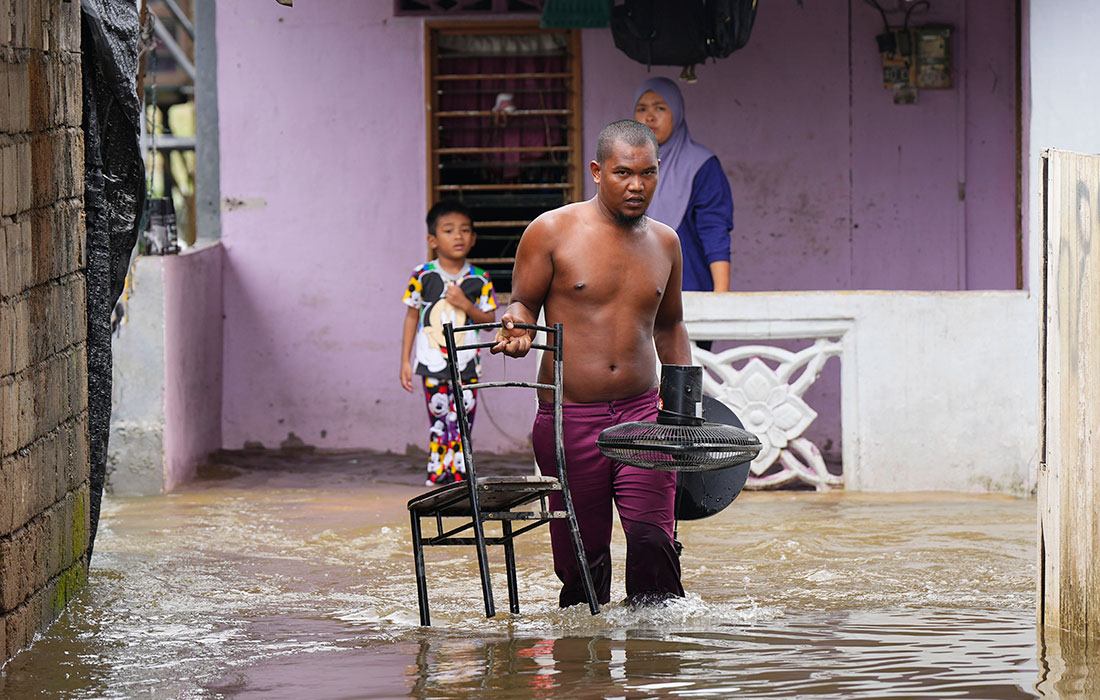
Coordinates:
column 45, row 181
column 67, row 467
column 18, row 24
column 20, row 335
column 7, row 485
column 44, row 400
column 5, row 38
column 64, row 216
column 30, row 330
column 81, row 521
column 18, row 563
column 7, row 283
column 76, row 162
column 19, row 627
column 81, row 235
column 72, row 96
column 56, row 385
column 34, row 25
column 80, row 385
column 65, row 529
column 68, row 35
column 7, row 322
column 8, row 68
column 57, row 90
column 37, row 611
column 25, row 385
column 19, row 91
column 82, row 465
column 19, row 475
column 56, row 523
column 24, row 176
column 9, row 173
column 41, row 245
column 9, row 418
column 40, row 550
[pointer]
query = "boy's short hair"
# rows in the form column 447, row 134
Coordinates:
column 444, row 207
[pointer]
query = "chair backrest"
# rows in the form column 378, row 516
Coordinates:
column 553, row 344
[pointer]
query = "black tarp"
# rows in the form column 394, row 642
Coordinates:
column 114, row 195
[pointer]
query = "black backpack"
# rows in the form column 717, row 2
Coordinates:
column 678, row 33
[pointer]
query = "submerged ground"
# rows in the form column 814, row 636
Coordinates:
column 290, row 576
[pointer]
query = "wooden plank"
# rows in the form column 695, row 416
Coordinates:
column 1069, row 479
column 503, row 224
column 491, row 261
column 513, row 113
column 447, row 77
column 504, row 149
column 506, row 187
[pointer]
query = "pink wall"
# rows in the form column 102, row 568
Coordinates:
column 193, row 357
column 322, row 137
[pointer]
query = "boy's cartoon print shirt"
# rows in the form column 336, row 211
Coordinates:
column 426, row 292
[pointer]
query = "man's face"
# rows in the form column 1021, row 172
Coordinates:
column 454, row 236
column 654, row 112
column 627, row 180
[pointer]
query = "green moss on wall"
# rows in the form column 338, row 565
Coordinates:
column 69, row 583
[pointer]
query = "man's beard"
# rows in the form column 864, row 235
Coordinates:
column 628, row 221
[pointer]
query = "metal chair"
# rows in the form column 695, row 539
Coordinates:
column 479, row 499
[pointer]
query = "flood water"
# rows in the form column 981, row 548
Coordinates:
column 291, row 577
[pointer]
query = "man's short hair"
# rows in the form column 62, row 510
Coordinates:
column 628, row 131
column 444, row 207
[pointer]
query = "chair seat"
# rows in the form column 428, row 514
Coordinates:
column 494, row 493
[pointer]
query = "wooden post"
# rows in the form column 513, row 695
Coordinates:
column 1069, row 440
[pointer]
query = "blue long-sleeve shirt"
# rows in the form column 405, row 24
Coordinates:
column 705, row 231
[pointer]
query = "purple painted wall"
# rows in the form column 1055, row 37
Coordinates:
column 323, row 152
column 835, row 186
column 193, row 355
column 322, row 141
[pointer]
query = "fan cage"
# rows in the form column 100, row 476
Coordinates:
column 678, row 448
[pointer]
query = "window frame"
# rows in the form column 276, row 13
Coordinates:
column 575, row 128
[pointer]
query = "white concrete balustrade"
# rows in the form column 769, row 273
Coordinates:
column 938, row 389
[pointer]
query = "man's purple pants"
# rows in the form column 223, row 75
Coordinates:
column 645, row 500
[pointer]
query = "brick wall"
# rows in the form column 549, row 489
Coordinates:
column 44, row 463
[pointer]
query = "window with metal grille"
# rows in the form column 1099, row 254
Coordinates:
column 504, row 129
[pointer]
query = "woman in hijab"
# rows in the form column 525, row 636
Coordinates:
column 693, row 194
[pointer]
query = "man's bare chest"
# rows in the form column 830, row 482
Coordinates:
column 639, row 274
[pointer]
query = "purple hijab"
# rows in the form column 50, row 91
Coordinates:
column 680, row 157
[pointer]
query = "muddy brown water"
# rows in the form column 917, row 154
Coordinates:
column 290, row 576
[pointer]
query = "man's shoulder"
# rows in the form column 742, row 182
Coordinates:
column 559, row 216
column 546, row 228
column 662, row 231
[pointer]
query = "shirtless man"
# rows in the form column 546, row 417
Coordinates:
column 611, row 277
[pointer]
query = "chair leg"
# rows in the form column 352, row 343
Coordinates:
column 582, row 560
column 421, row 575
column 510, row 567
column 483, row 566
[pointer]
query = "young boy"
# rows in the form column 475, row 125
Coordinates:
column 447, row 289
